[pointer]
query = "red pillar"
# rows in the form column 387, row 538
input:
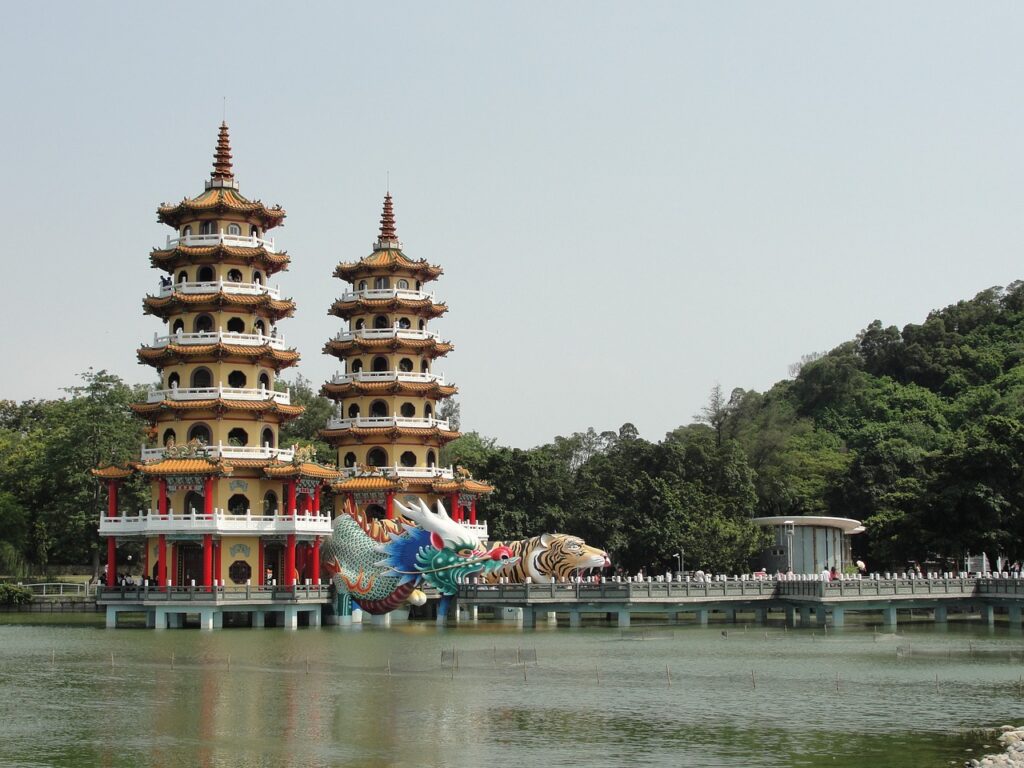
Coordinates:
column 291, row 497
column 146, row 574
column 207, row 561
column 162, row 503
column 316, row 500
column 289, row 562
column 391, row 505
column 208, row 495
column 217, row 570
column 456, row 512
column 472, row 512
column 316, row 560
column 111, row 498
column 161, row 563
column 111, row 562
column 260, row 581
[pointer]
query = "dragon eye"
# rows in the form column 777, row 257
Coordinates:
column 465, row 552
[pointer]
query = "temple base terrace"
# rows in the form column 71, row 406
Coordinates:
column 815, row 603
column 167, row 608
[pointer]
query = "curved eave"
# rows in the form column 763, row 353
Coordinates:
column 462, row 485
column 220, row 200
column 388, row 261
column 111, row 473
column 372, row 483
column 422, row 308
column 170, row 259
column 426, row 435
column 165, row 467
column 153, row 410
column 162, row 306
column 847, row 525
column 305, row 469
column 356, row 389
column 427, row 347
column 190, row 353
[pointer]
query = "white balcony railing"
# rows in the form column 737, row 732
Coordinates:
column 369, row 422
column 220, row 286
column 220, row 337
column 386, row 333
column 221, row 451
column 479, row 528
column 445, row 473
column 386, row 293
column 237, row 241
column 371, row 376
column 221, row 521
column 220, row 393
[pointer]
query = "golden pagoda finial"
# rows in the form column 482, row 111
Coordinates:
column 387, row 223
column 222, row 156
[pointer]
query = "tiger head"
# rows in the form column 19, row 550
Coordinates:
column 558, row 556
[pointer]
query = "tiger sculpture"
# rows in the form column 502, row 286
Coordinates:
column 547, row 558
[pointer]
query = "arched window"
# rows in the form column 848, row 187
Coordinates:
column 425, row 367
column 174, row 380
column 381, row 321
column 203, row 324
column 169, row 437
column 236, row 379
column 236, row 325
column 403, row 285
column 403, row 322
column 375, row 512
column 380, row 364
column 353, row 411
column 357, row 366
column 422, row 325
column 257, row 277
column 234, row 229
column 350, row 459
column 408, row 459
column 200, row 432
column 208, row 228
column 205, row 275
column 194, row 503
column 360, row 324
column 382, row 283
column 178, row 327
column 238, row 504
column 378, row 409
column 377, row 457
column 259, row 327
column 254, row 231
column 428, row 412
column 408, row 410
column 405, row 365
column 201, row 377
column 417, row 285
column 267, row 438
column 270, row 503
column 234, row 276
column 361, row 286
column 238, row 437
column 431, row 458
column 264, row 381
column 186, row 232
column 183, row 276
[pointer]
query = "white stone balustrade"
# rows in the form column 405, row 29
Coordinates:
column 219, row 337
column 236, row 241
column 386, row 333
column 151, row 522
column 220, row 286
column 446, row 473
column 368, row 422
column 372, row 376
column 221, row 451
column 219, row 393
column 386, row 293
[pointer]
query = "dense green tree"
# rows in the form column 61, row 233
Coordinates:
column 305, row 430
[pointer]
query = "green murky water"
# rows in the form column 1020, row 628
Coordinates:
column 595, row 696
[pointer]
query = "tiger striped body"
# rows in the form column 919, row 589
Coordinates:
column 547, row 558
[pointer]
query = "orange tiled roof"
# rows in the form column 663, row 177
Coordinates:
column 370, row 483
column 184, row 467
column 305, row 469
column 111, row 473
column 150, row 409
column 174, row 353
column 465, row 485
column 390, row 260
column 161, row 306
column 220, row 200
column 421, row 307
column 171, row 258
column 427, row 347
column 393, row 433
column 420, row 389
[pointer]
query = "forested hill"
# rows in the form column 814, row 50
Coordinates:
column 916, row 432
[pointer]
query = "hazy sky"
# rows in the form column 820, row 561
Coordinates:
column 631, row 201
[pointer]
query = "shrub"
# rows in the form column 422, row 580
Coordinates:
column 12, row 594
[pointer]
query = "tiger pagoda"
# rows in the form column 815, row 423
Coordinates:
column 387, row 427
column 229, row 506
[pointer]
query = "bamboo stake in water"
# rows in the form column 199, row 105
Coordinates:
column 111, row 659
column 389, row 666
column 668, row 675
column 837, row 682
column 307, row 665
column 753, row 680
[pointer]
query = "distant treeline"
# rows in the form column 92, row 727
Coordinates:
column 919, row 433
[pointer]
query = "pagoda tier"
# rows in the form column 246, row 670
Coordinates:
column 220, row 201
column 177, row 301
column 362, row 302
column 263, row 352
column 351, row 385
column 388, row 261
column 423, row 343
column 179, row 401
column 254, row 252
column 340, row 432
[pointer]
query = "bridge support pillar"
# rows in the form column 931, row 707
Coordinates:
column 760, row 615
column 790, row 613
column 218, row 619
column 259, row 620
column 889, row 616
column 819, row 615
column 291, row 617
column 159, row 618
column 988, row 615
column 175, row 620
column 805, row 615
column 702, row 617
column 206, row 619
column 941, row 614
column 314, row 617
column 150, row 619
column 551, row 617
column 838, row 616
column 529, row 617
column 730, row 615
column 575, row 618
column 1014, row 616
column 384, row 619
column 111, row 617
column 623, row 619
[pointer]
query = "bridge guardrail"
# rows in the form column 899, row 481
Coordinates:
column 219, row 594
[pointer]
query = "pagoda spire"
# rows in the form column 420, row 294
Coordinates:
column 388, row 234
column 222, row 156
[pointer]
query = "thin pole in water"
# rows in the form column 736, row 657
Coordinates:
column 668, row 675
column 753, row 680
